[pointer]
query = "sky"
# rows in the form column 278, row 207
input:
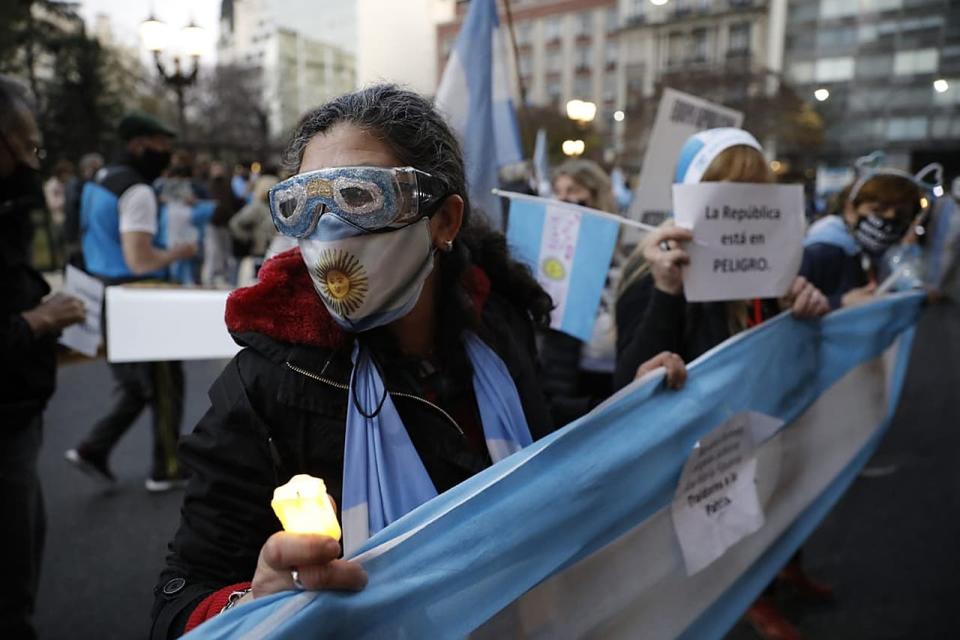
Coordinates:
column 126, row 16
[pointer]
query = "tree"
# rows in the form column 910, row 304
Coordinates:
column 558, row 128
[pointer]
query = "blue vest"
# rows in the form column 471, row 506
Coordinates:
column 100, row 225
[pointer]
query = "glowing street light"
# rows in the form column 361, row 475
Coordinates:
column 156, row 37
column 821, row 95
column 573, row 148
column 940, row 85
column 659, row 3
column 618, row 116
column 581, row 111
column 154, row 34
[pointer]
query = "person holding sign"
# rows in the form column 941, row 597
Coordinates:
column 29, row 325
column 653, row 314
column 842, row 252
column 391, row 355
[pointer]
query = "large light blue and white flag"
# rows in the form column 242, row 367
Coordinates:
column 575, row 536
column 569, row 249
column 474, row 95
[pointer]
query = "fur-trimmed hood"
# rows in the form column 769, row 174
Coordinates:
column 284, row 306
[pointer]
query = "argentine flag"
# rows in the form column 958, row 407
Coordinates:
column 474, row 96
column 569, row 249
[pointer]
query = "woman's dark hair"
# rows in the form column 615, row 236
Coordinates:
column 419, row 137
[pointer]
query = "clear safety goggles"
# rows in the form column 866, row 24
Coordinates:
column 371, row 198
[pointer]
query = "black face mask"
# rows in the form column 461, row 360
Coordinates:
column 150, row 164
column 20, row 193
column 875, row 235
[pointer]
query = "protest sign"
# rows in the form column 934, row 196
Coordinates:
column 747, row 239
column 679, row 116
column 84, row 337
column 147, row 324
column 716, row 503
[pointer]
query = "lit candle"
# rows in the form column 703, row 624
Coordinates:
column 302, row 506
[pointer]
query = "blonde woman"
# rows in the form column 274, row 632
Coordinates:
column 252, row 224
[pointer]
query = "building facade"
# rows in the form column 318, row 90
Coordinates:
column 566, row 50
column 879, row 62
column 727, row 51
column 298, row 70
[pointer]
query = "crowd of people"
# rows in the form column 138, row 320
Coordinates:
column 389, row 307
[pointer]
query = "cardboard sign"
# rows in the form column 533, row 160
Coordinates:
column 147, row 324
column 716, row 504
column 84, row 337
column 747, row 239
column 679, row 116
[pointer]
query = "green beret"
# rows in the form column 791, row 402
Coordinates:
column 138, row 123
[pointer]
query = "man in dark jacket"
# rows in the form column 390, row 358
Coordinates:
column 28, row 328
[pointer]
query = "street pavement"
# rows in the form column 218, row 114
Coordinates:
column 889, row 547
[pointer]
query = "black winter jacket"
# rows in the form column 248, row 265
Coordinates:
column 279, row 409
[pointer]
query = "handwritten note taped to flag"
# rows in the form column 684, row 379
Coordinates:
column 747, row 239
column 716, row 504
column 84, row 337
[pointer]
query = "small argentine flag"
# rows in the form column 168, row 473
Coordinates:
column 569, row 249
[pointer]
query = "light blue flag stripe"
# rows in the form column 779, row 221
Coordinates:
column 524, row 230
column 484, row 543
column 591, row 264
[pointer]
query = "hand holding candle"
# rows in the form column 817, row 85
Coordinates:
column 302, row 505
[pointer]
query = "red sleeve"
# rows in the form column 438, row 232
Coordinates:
column 211, row 605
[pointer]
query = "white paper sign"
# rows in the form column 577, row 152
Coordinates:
column 716, row 505
column 153, row 324
column 747, row 239
column 679, row 116
column 84, row 337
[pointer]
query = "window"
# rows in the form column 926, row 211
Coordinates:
column 868, row 6
column 916, row 61
column 584, row 24
column 912, row 128
column 611, row 52
column 582, row 56
column 609, row 87
column 838, row 8
column 874, row 66
column 836, row 38
column 675, row 45
column 638, row 9
column 524, row 31
column 739, row 38
column 583, row 87
column 611, row 19
column 554, row 89
column 699, row 52
column 800, row 72
column 833, row 69
column 803, row 12
column 525, row 64
column 554, row 61
column 552, row 28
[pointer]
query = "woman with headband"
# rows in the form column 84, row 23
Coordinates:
column 392, row 355
column 842, row 252
column 653, row 315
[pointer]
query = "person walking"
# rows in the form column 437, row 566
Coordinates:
column 119, row 227
column 28, row 329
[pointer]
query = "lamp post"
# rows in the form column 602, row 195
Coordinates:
column 155, row 35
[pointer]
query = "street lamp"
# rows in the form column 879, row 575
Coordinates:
column 940, row 85
column 659, row 3
column 581, row 111
column 821, row 94
column 618, row 115
column 155, row 35
column 573, row 148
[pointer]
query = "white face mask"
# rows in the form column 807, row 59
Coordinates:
column 367, row 280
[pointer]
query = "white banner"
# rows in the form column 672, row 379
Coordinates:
column 747, row 239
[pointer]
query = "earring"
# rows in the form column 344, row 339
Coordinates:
column 448, row 246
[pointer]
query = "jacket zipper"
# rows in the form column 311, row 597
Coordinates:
column 396, row 394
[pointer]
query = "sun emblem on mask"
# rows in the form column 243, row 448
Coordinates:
column 342, row 281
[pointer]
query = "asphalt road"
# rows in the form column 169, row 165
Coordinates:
column 889, row 547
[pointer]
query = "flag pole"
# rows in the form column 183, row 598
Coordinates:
column 513, row 195
column 516, row 60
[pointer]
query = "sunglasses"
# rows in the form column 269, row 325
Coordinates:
column 370, row 198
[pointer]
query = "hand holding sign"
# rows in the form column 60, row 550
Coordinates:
column 748, row 239
column 665, row 255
